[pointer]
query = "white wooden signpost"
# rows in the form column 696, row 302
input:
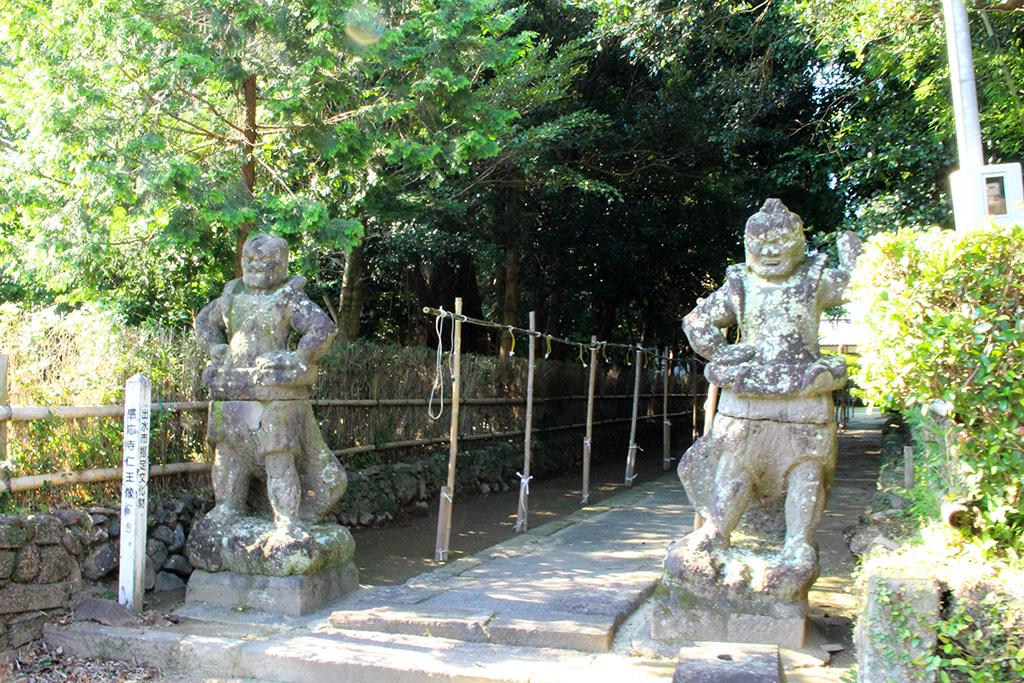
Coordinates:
column 134, row 492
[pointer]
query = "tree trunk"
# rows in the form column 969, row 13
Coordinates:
column 350, row 304
column 249, row 165
column 510, row 299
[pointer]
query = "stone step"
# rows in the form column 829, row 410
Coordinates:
column 330, row 654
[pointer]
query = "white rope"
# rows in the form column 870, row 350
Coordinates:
column 524, row 491
column 585, row 499
column 667, row 423
column 447, row 496
column 442, row 555
column 587, row 442
column 438, row 386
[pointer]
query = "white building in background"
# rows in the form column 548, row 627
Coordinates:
column 848, row 332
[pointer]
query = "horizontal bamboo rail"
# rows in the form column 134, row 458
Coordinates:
column 98, row 475
column 29, row 413
column 104, row 474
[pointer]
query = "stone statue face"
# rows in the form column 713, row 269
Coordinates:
column 774, row 252
column 264, row 262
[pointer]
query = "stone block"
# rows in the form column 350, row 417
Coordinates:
column 156, row 551
column 248, row 547
column 106, row 612
column 897, row 626
column 21, row 597
column 6, row 563
column 26, row 567
column 298, row 594
column 707, row 662
column 24, row 628
column 162, row 533
column 74, row 542
column 166, row 581
column 679, row 617
column 178, row 564
column 100, row 562
column 49, row 530
column 178, row 539
column 71, row 518
column 13, row 533
column 55, row 564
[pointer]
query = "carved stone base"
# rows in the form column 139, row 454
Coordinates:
column 741, row 594
column 250, row 545
column 279, row 594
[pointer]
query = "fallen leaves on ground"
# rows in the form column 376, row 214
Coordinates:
column 40, row 664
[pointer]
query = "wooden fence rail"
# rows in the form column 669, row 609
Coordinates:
column 104, row 474
column 15, row 413
column 28, row 413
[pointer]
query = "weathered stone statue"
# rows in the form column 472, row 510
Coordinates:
column 262, row 427
column 760, row 479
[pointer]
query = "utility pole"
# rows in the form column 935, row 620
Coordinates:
column 968, row 189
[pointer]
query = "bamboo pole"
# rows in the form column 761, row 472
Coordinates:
column 444, row 516
column 666, row 424
column 524, row 476
column 105, row 474
column 3, row 403
column 588, row 439
column 631, row 454
column 30, row 413
column 693, row 398
column 94, row 476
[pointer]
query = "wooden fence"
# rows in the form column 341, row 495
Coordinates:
column 15, row 413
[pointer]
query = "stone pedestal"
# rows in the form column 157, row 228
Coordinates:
column 295, row 595
column 245, row 564
column 737, row 595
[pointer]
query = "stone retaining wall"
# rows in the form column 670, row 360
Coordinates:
column 45, row 558
column 39, row 570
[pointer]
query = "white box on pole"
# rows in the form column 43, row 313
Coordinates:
column 134, row 493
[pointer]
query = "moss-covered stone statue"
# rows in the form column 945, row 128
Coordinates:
column 759, row 481
column 262, row 429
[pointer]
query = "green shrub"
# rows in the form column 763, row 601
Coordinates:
column 946, row 312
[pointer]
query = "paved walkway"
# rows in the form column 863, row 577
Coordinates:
column 545, row 606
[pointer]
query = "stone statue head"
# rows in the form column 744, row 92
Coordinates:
column 774, row 240
column 264, row 261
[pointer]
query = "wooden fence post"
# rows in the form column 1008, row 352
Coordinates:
column 134, row 493
column 666, row 424
column 695, row 432
column 444, row 516
column 631, row 454
column 908, row 467
column 524, row 476
column 588, row 439
column 4, row 406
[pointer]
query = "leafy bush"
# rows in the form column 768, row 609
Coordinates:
column 947, row 316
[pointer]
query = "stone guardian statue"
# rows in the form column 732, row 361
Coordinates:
column 264, row 336
column 760, row 479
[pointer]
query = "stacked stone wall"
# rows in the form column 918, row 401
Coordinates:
column 47, row 559
column 39, row 570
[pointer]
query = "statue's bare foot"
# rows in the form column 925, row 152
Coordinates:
column 224, row 514
column 284, row 535
column 795, row 570
column 705, row 540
